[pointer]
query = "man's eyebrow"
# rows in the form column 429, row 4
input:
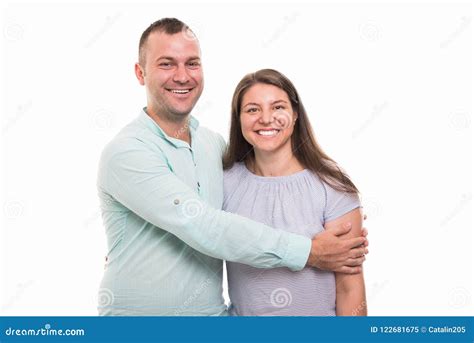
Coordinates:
column 192, row 58
column 164, row 58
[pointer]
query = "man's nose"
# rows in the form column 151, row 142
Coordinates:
column 181, row 75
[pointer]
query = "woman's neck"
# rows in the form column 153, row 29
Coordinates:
column 275, row 164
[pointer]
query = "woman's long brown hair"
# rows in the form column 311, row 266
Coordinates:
column 304, row 145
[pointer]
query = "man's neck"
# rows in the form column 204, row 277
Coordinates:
column 178, row 129
column 279, row 163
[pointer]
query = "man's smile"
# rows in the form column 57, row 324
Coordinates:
column 179, row 91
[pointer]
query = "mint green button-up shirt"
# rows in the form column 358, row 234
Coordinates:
column 161, row 205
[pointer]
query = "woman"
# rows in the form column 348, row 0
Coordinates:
column 276, row 173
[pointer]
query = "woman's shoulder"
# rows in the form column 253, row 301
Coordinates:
column 338, row 202
column 233, row 175
column 237, row 169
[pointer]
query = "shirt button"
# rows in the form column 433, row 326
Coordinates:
column 176, row 201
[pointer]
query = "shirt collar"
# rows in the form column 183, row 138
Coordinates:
column 151, row 124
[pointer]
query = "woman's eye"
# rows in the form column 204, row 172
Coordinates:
column 279, row 107
column 252, row 110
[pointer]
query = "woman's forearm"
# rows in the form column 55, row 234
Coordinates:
column 351, row 303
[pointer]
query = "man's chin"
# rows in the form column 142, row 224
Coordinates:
column 178, row 115
column 181, row 113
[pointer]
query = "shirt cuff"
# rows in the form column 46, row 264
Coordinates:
column 297, row 252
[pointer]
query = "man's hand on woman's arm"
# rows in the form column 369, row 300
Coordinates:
column 329, row 251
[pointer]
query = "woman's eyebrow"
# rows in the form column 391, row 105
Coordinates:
column 277, row 101
column 251, row 103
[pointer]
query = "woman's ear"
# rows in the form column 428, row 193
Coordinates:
column 140, row 73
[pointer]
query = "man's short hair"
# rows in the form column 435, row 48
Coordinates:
column 169, row 26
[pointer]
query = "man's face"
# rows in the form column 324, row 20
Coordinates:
column 172, row 74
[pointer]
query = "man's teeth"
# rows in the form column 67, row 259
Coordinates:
column 179, row 91
column 267, row 132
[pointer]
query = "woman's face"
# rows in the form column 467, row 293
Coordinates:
column 267, row 118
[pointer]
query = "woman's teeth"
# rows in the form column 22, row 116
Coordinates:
column 267, row 132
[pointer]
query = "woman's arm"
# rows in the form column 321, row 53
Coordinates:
column 350, row 288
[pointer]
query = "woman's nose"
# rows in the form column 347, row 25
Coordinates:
column 266, row 117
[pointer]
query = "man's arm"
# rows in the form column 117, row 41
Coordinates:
column 337, row 250
column 141, row 180
column 350, row 289
column 328, row 250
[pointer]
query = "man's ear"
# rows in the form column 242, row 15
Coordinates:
column 140, row 73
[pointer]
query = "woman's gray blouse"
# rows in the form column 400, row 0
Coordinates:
column 300, row 203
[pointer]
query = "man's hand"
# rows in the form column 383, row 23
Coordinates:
column 331, row 252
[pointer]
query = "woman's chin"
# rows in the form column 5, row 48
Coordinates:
column 266, row 148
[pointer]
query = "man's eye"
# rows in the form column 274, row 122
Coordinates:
column 194, row 64
column 165, row 64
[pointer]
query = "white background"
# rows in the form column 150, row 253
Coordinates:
column 388, row 88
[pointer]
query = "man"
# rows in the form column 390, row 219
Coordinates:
column 160, row 186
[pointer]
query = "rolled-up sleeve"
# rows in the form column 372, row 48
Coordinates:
column 141, row 180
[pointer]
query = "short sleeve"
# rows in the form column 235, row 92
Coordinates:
column 338, row 203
